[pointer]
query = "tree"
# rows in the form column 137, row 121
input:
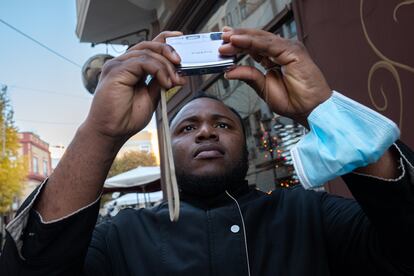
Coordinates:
column 13, row 168
column 130, row 160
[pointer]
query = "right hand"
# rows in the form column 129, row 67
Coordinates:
column 123, row 104
column 293, row 91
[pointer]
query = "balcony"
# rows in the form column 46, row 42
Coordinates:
column 116, row 22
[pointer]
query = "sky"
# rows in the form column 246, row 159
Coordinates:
column 46, row 91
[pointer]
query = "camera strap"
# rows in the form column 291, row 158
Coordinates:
column 173, row 196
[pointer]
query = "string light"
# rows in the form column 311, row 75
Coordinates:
column 269, row 144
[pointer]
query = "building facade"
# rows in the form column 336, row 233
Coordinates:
column 39, row 160
column 355, row 56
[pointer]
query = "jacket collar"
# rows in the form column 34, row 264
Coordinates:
column 237, row 190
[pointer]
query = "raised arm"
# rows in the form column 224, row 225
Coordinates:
column 377, row 237
column 122, row 106
column 54, row 240
column 293, row 85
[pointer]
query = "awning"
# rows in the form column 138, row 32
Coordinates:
column 134, row 198
column 141, row 179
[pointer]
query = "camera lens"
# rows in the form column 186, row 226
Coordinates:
column 215, row 36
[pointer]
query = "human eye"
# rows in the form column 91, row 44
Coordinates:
column 187, row 128
column 222, row 125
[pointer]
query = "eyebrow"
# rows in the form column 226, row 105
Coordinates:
column 195, row 118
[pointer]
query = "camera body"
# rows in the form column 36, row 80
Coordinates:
column 199, row 53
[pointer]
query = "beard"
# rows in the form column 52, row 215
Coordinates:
column 212, row 185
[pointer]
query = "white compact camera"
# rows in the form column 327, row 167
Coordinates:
column 199, row 53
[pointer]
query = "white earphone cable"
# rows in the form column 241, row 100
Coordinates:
column 244, row 232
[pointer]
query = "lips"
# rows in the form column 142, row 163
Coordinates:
column 209, row 151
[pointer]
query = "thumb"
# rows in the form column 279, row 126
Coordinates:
column 250, row 75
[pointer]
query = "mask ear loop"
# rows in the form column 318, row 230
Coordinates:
column 173, row 196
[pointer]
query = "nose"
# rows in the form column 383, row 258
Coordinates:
column 206, row 132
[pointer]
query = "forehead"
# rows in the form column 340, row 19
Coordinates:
column 204, row 108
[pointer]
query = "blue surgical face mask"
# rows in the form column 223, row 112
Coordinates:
column 344, row 135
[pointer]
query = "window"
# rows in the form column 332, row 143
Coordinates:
column 248, row 7
column 35, row 165
column 229, row 19
column 291, row 31
column 145, row 148
column 243, row 10
column 45, row 168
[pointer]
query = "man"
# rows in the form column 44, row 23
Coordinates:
column 225, row 228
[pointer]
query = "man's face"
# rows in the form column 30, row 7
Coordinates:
column 207, row 140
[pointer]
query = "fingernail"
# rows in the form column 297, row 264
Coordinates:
column 225, row 76
column 175, row 55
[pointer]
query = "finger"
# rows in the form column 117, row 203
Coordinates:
column 154, row 89
column 177, row 79
column 245, row 31
column 229, row 49
column 158, row 47
column 163, row 35
column 250, row 75
column 281, row 51
column 263, row 43
column 145, row 65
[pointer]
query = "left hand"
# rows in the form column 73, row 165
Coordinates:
column 294, row 90
column 123, row 103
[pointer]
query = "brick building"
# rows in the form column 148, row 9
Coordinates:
column 39, row 160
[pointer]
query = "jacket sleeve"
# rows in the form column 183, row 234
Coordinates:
column 97, row 262
column 374, row 235
column 34, row 247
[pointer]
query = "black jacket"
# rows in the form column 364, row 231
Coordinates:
column 288, row 232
